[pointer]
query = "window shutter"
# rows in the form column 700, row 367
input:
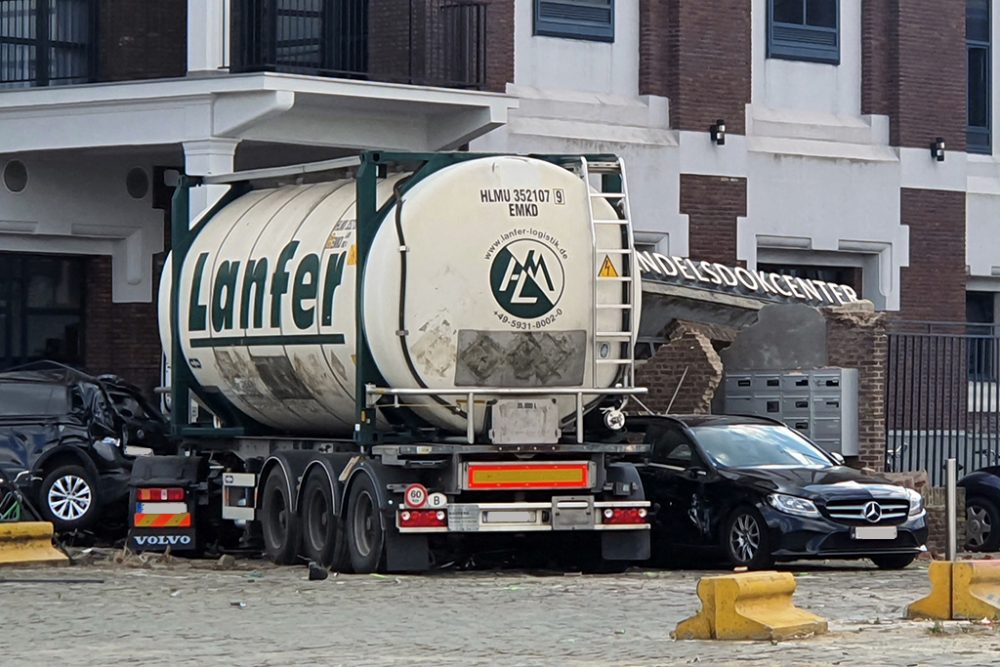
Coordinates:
column 576, row 19
column 805, row 41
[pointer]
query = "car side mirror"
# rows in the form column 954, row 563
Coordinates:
column 838, row 457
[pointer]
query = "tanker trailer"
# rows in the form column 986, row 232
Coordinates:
column 399, row 350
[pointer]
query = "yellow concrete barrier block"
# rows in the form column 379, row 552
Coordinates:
column 937, row 605
column 29, row 543
column 751, row 605
column 975, row 590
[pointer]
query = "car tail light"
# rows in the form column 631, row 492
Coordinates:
column 160, row 495
column 423, row 519
column 624, row 515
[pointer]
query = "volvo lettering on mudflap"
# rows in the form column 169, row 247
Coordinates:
column 432, row 346
column 140, row 541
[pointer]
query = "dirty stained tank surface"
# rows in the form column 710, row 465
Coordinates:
column 258, row 615
column 268, row 294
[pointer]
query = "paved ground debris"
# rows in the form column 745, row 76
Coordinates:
column 165, row 610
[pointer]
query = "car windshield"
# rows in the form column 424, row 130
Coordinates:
column 758, row 445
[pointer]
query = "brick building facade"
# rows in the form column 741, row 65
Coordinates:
column 825, row 168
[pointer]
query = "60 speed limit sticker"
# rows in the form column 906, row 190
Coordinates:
column 415, row 496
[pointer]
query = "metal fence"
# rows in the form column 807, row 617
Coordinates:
column 424, row 42
column 47, row 42
column 942, row 397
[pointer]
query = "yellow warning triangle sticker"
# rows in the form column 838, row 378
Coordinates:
column 607, row 269
column 352, row 255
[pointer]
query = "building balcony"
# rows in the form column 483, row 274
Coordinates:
column 438, row 43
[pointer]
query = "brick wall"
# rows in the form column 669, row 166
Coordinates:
column 121, row 338
column 688, row 360
column 654, row 61
column 933, row 286
column 704, row 64
column 857, row 338
column 712, row 204
column 914, row 69
column 140, row 39
column 877, row 44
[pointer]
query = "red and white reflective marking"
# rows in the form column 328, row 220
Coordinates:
column 415, row 496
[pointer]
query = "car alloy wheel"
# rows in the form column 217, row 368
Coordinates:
column 70, row 498
column 978, row 527
column 744, row 538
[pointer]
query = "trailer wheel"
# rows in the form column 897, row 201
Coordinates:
column 279, row 524
column 322, row 530
column 365, row 534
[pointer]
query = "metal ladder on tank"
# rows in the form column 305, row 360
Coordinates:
column 626, row 332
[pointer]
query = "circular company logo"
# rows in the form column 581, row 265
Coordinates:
column 873, row 512
column 527, row 278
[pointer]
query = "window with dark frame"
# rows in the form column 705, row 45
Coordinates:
column 41, row 309
column 804, row 30
column 576, row 19
column 47, row 42
column 977, row 42
column 981, row 332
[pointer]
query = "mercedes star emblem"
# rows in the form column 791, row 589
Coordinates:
column 873, row 512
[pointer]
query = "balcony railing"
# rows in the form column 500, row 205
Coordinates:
column 47, row 42
column 420, row 42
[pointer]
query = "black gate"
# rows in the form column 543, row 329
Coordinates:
column 942, row 398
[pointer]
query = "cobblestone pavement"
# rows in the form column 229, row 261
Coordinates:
column 258, row 615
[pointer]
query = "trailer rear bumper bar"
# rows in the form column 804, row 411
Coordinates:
column 564, row 513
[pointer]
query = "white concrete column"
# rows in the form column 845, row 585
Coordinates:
column 208, row 157
column 207, row 35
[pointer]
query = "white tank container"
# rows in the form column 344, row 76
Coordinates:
column 497, row 290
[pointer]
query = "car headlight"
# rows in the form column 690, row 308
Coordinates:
column 792, row 505
column 916, row 502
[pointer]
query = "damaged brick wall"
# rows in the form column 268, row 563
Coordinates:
column 857, row 338
column 688, row 360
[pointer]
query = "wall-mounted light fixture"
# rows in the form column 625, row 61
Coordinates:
column 937, row 149
column 718, row 132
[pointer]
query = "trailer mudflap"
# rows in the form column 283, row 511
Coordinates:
column 625, row 545
column 163, row 503
column 406, row 553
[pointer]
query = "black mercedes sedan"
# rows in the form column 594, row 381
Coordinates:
column 759, row 492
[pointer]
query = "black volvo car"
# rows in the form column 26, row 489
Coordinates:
column 757, row 491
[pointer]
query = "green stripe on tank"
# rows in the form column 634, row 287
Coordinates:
column 249, row 341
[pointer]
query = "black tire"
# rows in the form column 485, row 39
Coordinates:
column 893, row 561
column 982, row 525
column 322, row 530
column 365, row 532
column 68, row 498
column 745, row 539
column 280, row 526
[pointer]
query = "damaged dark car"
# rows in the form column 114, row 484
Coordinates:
column 756, row 492
column 70, row 440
